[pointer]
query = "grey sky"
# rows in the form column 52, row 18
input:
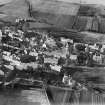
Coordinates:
column 4, row 1
column 87, row 1
column 76, row 1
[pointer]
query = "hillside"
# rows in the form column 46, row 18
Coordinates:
column 13, row 9
column 53, row 13
column 64, row 15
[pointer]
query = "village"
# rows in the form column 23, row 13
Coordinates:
column 52, row 52
column 36, row 55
